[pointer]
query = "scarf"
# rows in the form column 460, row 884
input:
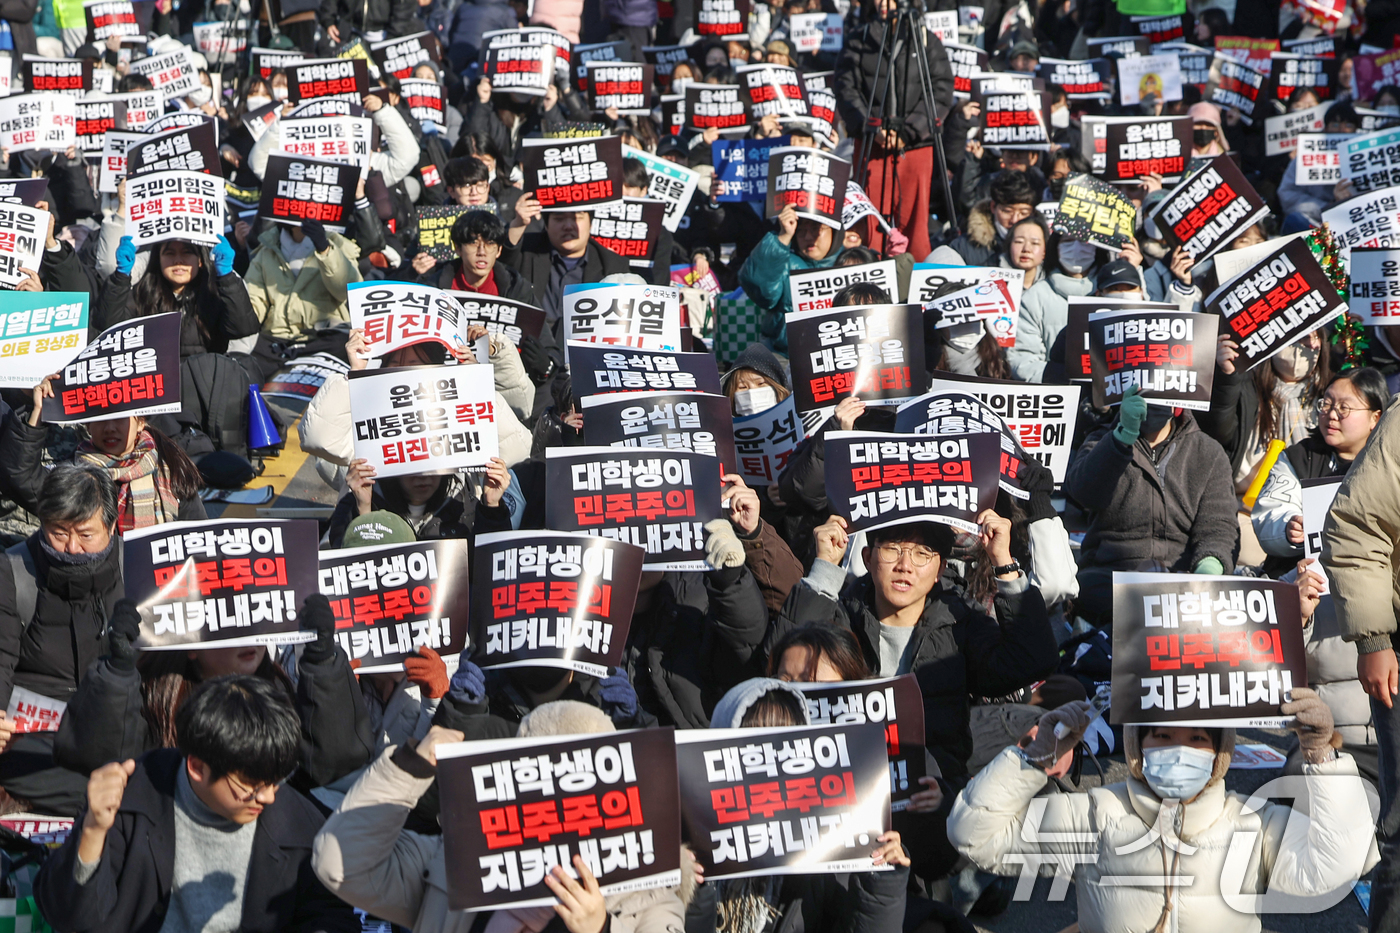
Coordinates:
column 488, row 287
column 144, row 496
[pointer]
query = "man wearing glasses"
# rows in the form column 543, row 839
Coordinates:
column 199, row 837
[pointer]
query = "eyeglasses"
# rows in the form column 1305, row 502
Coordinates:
column 919, row 555
column 248, row 794
column 474, row 186
column 1325, row 407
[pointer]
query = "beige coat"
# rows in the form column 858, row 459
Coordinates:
column 291, row 304
column 364, row 856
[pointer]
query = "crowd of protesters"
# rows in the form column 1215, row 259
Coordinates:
column 261, row 788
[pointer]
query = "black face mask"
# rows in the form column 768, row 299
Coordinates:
column 538, row 679
column 1057, row 188
column 1203, row 138
column 1157, row 415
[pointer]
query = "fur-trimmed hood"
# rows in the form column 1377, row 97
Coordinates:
column 981, row 229
column 1132, row 751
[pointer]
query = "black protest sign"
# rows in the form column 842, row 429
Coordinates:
column 71, row 76
column 1094, row 211
column 716, row 106
column 1120, row 46
column 179, row 120
column 513, row 320
column 630, row 228
column 1159, row 29
column 1003, row 82
column 966, row 61
column 390, row 600
column 108, row 18
column 343, row 78
column 296, row 189
column 1284, row 296
column 598, row 369
column 659, row 500
column 1168, row 355
column 131, row 369
column 549, row 599
column 266, row 61
column 398, row 57
column 1123, row 149
column 424, row 100
column 811, row 181
column 1319, row 45
column 573, row 174
column 516, row 65
column 26, row 191
column 600, row 52
column 1288, row 73
column 1018, row 120
column 1082, row 80
column 512, row 809
column 672, row 114
column 624, row 86
column 1239, row 86
column 191, row 149
column 220, row 583
column 1212, row 651
column 303, row 377
column 1209, row 210
column 774, row 90
column 874, row 351
column 92, row 120
column 662, row 421
column 1040, row 417
column 875, row 480
column 897, row 705
column 435, row 229
column 788, row 801
column 665, row 58
column 1195, row 63
column 723, row 18
column 954, row 412
column 327, row 107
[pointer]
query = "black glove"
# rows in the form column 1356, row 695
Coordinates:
column 316, row 231
column 316, row 616
column 122, row 629
column 536, row 359
column 1039, row 482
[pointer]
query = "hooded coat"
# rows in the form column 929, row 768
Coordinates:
column 290, row 304
column 764, row 278
column 1043, row 315
column 981, row 244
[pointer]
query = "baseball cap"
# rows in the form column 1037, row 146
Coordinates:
column 1118, row 272
column 378, row 528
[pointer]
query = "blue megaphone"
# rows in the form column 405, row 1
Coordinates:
column 262, row 430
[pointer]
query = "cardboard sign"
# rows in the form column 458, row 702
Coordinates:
column 339, row 78
column 93, row 119
column 874, row 351
column 424, row 419
column 71, row 76
column 390, row 600
column 1159, row 29
column 672, row 184
column 813, row 289
column 664, row 59
column 548, row 599
column 573, row 174
column 956, row 413
column 774, row 90
column 173, row 74
column 1082, row 80
column 672, row 115
column 662, row 421
column 1288, row 73
column 1156, row 75
column 743, row 825
column 425, row 103
column 1209, row 210
column 1168, row 355
column 33, row 712
column 38, row 121
column 335, row 139
column 193, row 149
column 1239, row 86
column 132, row 369
column 1320, row 45
column 514, row 808
column 1041, row 417
column 1123, row 149
column 966, row 61
column 175, row 206
column 1319, row 159
column 513, row 320
column 1318, row 495
column 303, row 377
column 398, row 57
column 1375, row 286
column 1095, row 212
column 1281, row 133
column 1017, row 120
column 723, row 18
column 220, row 583
column 658, row 500
column 1281, row 298
column 394, row 315
column 812, row 181
column 1369, row 220
column 600, row 370
column 435, row 224
column 765, row 441
column 716, row 106
column 630, row 229
column 518, row 66
column 646, row 316
column 1369, row 162
column 875, row 480
column 108, row 18
column 858, row 206
column 741, row 168
column 296, row 189
column 1204, row 650
column 530, row 35
column 820, row 32
column 623, row 86
column 43, row 332
column 972, row 304
column 23, row 232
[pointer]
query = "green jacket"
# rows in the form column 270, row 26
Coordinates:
column 764, row 278
column 290, row 305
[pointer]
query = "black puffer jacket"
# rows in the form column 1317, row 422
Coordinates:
column 855, row 79
column 392, row 16
column 205, row 326
column 859, row 902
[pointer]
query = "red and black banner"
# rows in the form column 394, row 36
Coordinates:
column 716, row 106
column 71, row 76
column 296, row 189
column 598, row 369
column 956, row 413
column 1169, row 355
column 723, row 18
column 108, row 18
column 398, row 57
column 190, row 149
column 132, row 368
column 345, row 78
column 874, row 351
column 512, row 319
column 93, row 118
column 1209, row 210
column 812, row 181
column 1123, row 149
column 573, row 174
column 630, row 228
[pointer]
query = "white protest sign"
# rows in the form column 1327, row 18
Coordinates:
column 927, row 278
column 175, row 206
column 113, row 164
column 816, row 32
column 814, row 289
column 1375, row 286
column 398, row 314
column 42, row 333
column 987, row 300
column 424, row 419
column 858, row 205
column 1366, row 220
column 669, row 182
column 1372, row 162
column 646, row 316
column 1158, row 75
column 1281, row 133
column 764, row 442
column 338, row 139
column 221, row 41
column 34, row 712
column 1317, row 502
column 1319, row 160
column 943, row 24
column 38, row 121
column 23, row 234
column 142, row 107
column 1041, row 416
column 171, row 73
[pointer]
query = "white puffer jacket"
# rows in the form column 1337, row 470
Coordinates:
column 1119, row 863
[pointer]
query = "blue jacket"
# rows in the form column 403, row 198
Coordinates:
column 468, row 23
column 764, row 278
column 630, row 12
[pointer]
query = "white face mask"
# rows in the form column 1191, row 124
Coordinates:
column 257, row 101
column 1059, row 119
column 1295, row 361
column 1177, row 772
column 279, row 93
column 678, row 85
column 201, row 96
column 738, row 62
column 753, row 401
column 1389, row 109
column 963, row 337
column 1076, row 256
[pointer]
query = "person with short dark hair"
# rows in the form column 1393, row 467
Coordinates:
column 636, row 182
column 1012, row 199
column 201, row 837
column 798, row 245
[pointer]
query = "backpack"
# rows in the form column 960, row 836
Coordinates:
column 26, row 577
column 215, row 394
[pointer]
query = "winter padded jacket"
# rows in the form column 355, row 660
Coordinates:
column 764, row 278
column 395, row 17
column 981, row 244
column 1107, row 835
column 205, row 327
column 858, row 65
column 1043, row 315
column 958, row 650
column 291, row 305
